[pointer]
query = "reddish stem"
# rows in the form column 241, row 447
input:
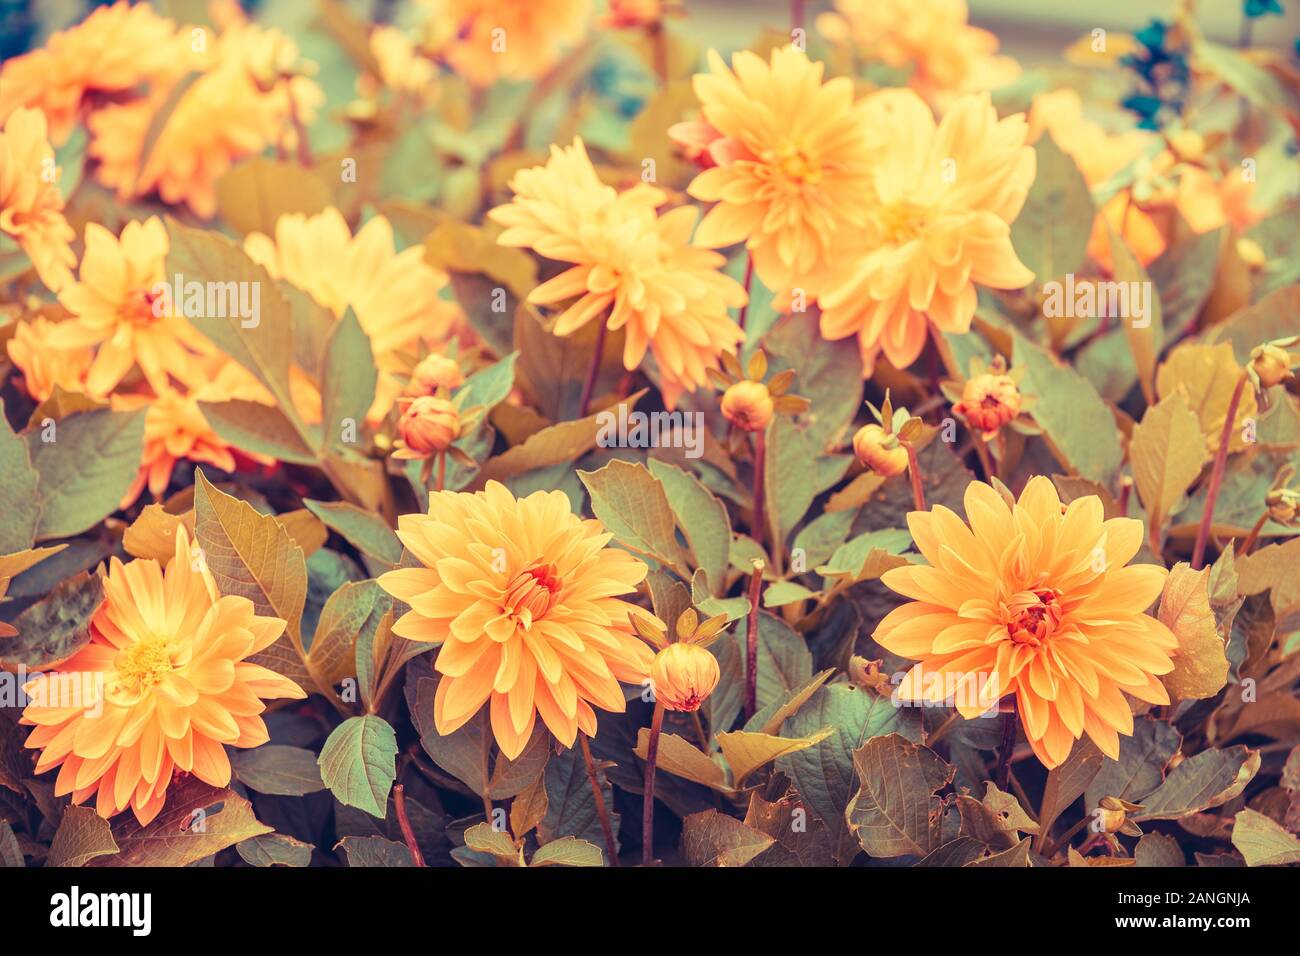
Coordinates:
column 914, row 470
column 1216, row 475
column 399, row 798
column 751, row 642
column 442, row 471
column 1253, row 536
column 601, row 812
column 749, row 281
column 648, row 809
column 1009, row 720
column 760, row 491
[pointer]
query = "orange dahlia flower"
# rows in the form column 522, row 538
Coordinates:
column 631, row 264
column 31, row 206
column 245, row 101
column 524, row 599
column 174, row 428
column 395, row 295
column 793, row 163
column 943, row 198
column 116, row 305
column 161, row 688
column 113, row 50
column 42, row 364
column 1031, row 599
column 934, row 38
column 490, row 40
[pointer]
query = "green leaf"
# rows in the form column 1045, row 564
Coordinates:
column 1157, row 849
column 20, row 502
column 278, row 770
column 83, row 835
column 274, row 849
column 375, row 851
column 747, row 751
column 348, row 383
column 784, row 664
column 632, row 504
column 827, row 373
column 1262, row 841
column 1141, row 764
column 702, row 518
column 1079, row 426
column 1145, row 336
column 568, row 851
column 56, row 627
column 1200, row 782
column 1068, row 781
column 358, row 763
column 366, row 532
column 895, row 811
column 570, row 804
column 86, row 466
column 1201, row 664
column 351, row 614
column 1051, row 232
column 711, row 838
column 257, row 428
column 1167, row 451
column 255, row 194
column 790, row 477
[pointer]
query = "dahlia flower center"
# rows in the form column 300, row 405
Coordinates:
column 1033, row 616
column 796, row 165
column 902, row 221
column 144, row 664
column 532, row 592
column 139, row 307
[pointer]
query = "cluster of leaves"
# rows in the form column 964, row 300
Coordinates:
column 827, row 770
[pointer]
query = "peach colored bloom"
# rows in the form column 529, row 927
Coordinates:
column 683, row 675
column 174, row 428
column 933, row 38
column 879, row 450
column 1031, row 598
column 988, row 402
column 401, row 68
column 793, row 163
column 395, row 295
column 434, row 372
column 943, row 198
column 43, row 365
column 748, row 405
column 524, row 598
column 243, row 102
column 427, row 427
column 633, row 269
column 113, row 50
column 116, row 306
column 170, row 688
column 31, row 206
column 490, row 40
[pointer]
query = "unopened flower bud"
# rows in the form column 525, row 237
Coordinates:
column 683, row 675
column 988, row 402
column 427, row 427
column 1271, row 364
column 1283, row 505
column 880, row 451
column 748, row 405
column 435, row 372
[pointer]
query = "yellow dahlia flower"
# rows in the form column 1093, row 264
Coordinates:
column 161, row 688
column 524, row 598
column 42, row 364
column 113, row 50
column 943, row 198
column 490, row 40
column 393, row 294
column 933, row 38
column 31, row 206
column 1031, row 599
column 633, row 268
column 793, row 162
column 116, row 306
column 174, row 428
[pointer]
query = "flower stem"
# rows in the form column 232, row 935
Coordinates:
column 751, row 641
column 1009, row 720
column 610, row 847
column 299, row 129
column 914, row 470
column 759, row 528
column 1253, row 536
column 749, row 282
column 487, row 775
column 796, row 15
column 399, row 798
column 1216, row 475
column 942, row 730
column 593, row 373
column 648, row 808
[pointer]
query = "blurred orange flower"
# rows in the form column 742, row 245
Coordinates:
column 116, row 306
column 113, row 50
column 1031, row 598
column 44, row 365
column 174, row 428
column 395, row 295
column 942, row 201
column 164, row 687
column 668, row 295
column 31, row 206
column 793, row 162
column 525, row 600
column 490, row 40
column 934, row 38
